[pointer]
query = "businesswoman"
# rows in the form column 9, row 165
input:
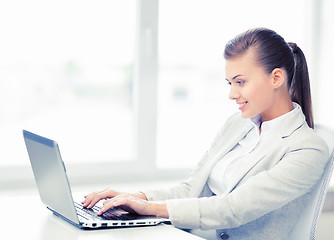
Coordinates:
column 257, row 176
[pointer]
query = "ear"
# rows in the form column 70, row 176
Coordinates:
column 278, row 77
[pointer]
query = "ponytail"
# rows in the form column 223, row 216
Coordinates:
column 299, row 86
column 273, row 52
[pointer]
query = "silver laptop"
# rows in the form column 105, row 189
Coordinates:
column 55, row 192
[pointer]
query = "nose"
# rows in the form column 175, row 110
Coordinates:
column 234, row 93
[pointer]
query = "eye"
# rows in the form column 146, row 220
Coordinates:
column 240, row 82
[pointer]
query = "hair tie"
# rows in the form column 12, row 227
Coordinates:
column 293, row 47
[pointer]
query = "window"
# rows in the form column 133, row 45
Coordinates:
column 67, row 73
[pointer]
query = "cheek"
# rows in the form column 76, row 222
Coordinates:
column 251, row 92
column 258, row 94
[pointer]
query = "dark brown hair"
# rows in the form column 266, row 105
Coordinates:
column 273, row 52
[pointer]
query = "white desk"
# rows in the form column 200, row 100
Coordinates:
column 30, row 219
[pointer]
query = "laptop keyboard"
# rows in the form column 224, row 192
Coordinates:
column 111, row 214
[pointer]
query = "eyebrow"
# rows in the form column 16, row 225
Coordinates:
column 236, row 76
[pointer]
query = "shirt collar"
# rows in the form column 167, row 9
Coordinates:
column 268, row 126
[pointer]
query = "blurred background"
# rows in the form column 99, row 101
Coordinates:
column 135, row 89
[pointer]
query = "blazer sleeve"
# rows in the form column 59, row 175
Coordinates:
column 260, row 194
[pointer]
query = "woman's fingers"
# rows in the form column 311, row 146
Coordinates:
column 137, row 205
column 106, row 206
column 92, row 198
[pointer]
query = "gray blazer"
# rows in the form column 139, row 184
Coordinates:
column 269, row 192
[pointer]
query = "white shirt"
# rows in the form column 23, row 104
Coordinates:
column 224, row 171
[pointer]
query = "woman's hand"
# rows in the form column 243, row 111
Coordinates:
column 92, row 198
column 138, row 205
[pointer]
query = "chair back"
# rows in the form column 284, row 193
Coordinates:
column 307, row 225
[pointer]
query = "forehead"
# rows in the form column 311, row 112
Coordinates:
column 243, row 64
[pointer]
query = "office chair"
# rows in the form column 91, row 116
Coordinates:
column 307, row 225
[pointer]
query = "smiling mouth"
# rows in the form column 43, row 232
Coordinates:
column 242, row 105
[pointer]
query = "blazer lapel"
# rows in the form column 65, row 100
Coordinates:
column 253, row 160
column 294, row 122
column 224, row 147
column 219, row 151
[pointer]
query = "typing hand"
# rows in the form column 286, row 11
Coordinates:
column 94, row 197
column 132, row 203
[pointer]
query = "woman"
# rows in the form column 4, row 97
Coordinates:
column 258, row 174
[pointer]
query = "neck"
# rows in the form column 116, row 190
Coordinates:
column 278, row 108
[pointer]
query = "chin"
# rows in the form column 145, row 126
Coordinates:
column 245, row 115
column 248, row 115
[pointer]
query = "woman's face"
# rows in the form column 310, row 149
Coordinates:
column 251, row 86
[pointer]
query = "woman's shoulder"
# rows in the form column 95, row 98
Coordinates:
column 306, row 137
